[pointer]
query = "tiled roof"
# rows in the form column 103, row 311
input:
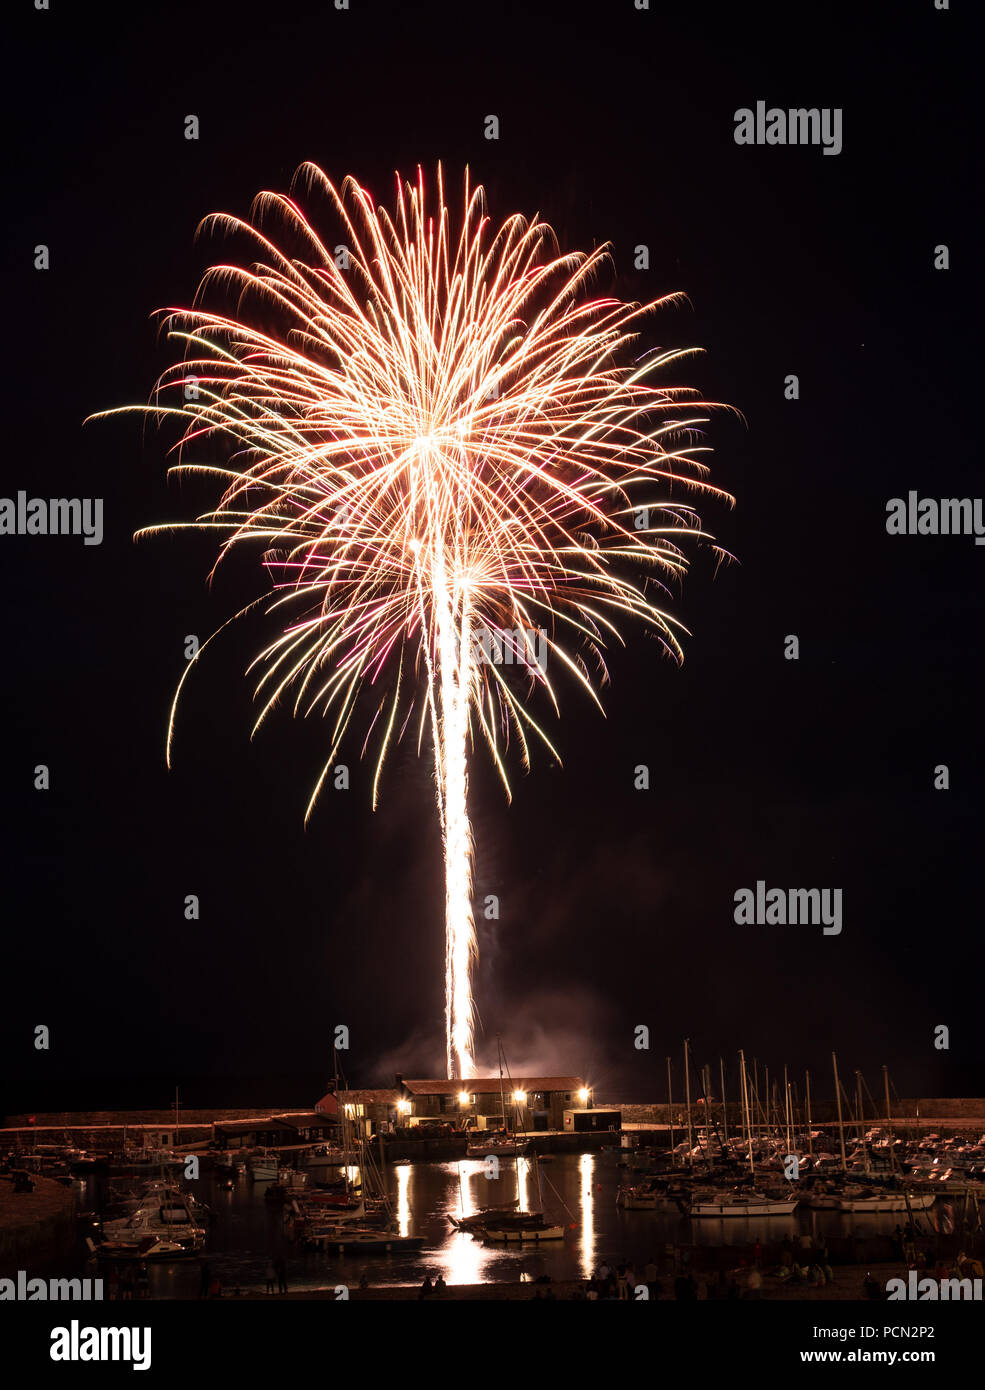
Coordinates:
column 379, row 1097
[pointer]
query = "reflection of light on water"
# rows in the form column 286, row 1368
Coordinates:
column 586, row 1169
column 240, row 1245
column 403, row 1199
column 464, row 1259
column 467, row 1205
column 464, row 1256
column 470, row 1188
column 523, row 1171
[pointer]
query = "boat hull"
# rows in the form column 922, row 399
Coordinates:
column 523, row 1236
column 890, row 1203
column 368, row 1244
column 748, row 1209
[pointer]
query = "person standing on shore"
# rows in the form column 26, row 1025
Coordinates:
column 271, row 1275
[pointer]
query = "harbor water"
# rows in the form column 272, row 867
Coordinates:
column 577, row 1191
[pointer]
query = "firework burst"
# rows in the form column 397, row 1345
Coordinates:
column 449, row 452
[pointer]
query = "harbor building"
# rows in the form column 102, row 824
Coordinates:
column 533, row 1103
column 369, row 1112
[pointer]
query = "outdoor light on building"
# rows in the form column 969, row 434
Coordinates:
column 463, row 1097
column 584, row 1095
column 520, row 1097
column 403, row 1106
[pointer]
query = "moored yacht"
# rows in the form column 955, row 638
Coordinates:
column 741, row 1204
column 166, row 1222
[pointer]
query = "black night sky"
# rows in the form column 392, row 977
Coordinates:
column 617, row 905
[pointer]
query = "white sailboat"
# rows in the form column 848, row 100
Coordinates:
column 741, row 1204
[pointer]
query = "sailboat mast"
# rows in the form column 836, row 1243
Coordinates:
column 506, row 1121
column 859, row 1081
column 343, row 1129
column 841, row 1125
column 687, row 1094
column 721, row 1068
column 502, row 1096
column 745, row 1107
column 810, row 1140
column 670, row 1107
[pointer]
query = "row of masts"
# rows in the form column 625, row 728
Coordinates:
column 759, row 1120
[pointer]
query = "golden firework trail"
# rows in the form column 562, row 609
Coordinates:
column 460, row 473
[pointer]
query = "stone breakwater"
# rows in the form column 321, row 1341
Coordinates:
column 36, row 1224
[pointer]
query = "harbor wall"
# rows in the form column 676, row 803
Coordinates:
column 100, row 1129
column 906, row 1111
column 76, row 1119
